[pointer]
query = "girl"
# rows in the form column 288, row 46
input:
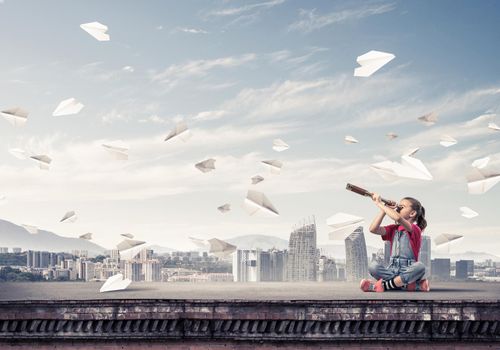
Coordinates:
column 405, row 237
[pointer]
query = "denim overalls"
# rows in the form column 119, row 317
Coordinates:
column 402, row 262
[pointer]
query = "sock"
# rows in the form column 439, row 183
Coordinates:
column 390, row 285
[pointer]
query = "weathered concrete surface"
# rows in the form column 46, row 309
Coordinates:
column 242, row 291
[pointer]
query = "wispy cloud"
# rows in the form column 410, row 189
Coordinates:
column 311, row 21
column 190, row 30
column 199, row 68
column 233, row 11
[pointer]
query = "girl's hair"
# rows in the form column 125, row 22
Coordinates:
column 417, row 206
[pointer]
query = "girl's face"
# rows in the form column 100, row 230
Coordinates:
column 406, row 211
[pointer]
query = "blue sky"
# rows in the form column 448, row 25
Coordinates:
column 241, row 74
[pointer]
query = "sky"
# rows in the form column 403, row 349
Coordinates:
column 241, row 74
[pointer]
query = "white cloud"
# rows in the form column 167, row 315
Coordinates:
column 311, row 21
column 246, row 8
column 113, row 116
column 210, row 115
column 190, row 30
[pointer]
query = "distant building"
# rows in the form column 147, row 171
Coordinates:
column 464, row 269
column 302, row 253
column 44, row 258
column 29, row 259
column 356, row 255
column 88, row 270
column 441, row 269
column 327, row 269
column 341, row 273
column 425, row 255
column 114, row 254
column 246, row 265
column 152, row 271
column 145, row 255
column 273, row 264
column 133, row 271
column 16, row 250
column 4, row 250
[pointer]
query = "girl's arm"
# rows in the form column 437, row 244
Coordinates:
column 392, row 214
column 375, row 226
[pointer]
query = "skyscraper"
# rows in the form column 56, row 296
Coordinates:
column 441, row 269
column 246, row 266
column 464, row 269
column 327, row 269
column 302, row 253
column 133, row 270
column 356, row 259
column 425, row 255
column 152, row 271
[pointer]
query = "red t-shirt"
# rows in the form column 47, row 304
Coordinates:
column 415, row 236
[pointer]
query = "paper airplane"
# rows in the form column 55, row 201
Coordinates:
column 350, row 139
column 446, row 238
column 410, row 168
column 128, row 235
column 279, row 145
column 411, row 152
column 130, row 248
column 493, row 126
column 481, row 163
column 18, row 153
column 371, row 62
column 181, row 131
column 256, row 179
column 274, row 165
column 114, row 283
column 68, row 107
column 447, row 141
column 220, row 248
column 117, row 150
column 16, row 116
column 480, row 181
column 70, row 216
column 257, row 203
column 43, row 161
column 468, row 212
column 206, row 165
column 342, row 224
column 97, row 30
column 87, row 236
column 391, row 136
column 429, row 119
column 128, row 243
column 224, row 208
column 31, row 229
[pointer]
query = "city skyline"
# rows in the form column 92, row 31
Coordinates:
column 241, row 75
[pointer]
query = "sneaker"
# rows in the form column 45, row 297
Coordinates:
column 368, row 286
column 423, row 286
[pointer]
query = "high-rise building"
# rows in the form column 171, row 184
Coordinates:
column 16, row 250
column 441, row 269
column 246, row 265
column 53, row 259
column 146, row 254
column 464, row 269
column 4, row 250
column 44, row 259
column 387, row 253
column 114, row 254
column 302, row 253
column 133, row 270
column 29, row 259
column 425, row 255
column 327, row 269
column 355, row 256
column 152, row 271
column 89, row 270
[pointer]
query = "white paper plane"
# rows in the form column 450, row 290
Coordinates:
column 481, row 162
column 411, row 152
column 18, row 153
column 447, row 141
column 274, row 165
column 429, row 119
column 16, row 116
column 220, row 248
column 410, row 168
column 118, row 150
column 70, row 216
column 224, row 208
column 391, row 135
column 128, row 235
column 129, row 243
column 180, row 131
column 256, row 179
column 130, row 248
column 350, row 139
column 31, row 229
column 340, row 220
column 493, row 126
column 340, row 234
column 257, row 203
column 279, row 145
column 468, row 212
column 68, row 107
column 87, row 236
column 371, row 62
column 206, row 165
column 43, row 161
column 97, row 30
column 481, row 181
column 446, row 238
column 114, row 283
